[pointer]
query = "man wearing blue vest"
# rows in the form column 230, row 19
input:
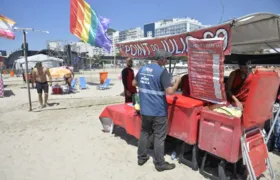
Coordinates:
column 154, row 82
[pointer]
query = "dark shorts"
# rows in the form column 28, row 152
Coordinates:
column 128, row 99
column 42, row 86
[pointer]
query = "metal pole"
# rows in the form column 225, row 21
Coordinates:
column 114, row 53
column 169, row 66
column 272, row 127
column 26, row 69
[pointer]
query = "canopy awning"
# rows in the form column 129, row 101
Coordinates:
column 243, row 35
column 255, row 32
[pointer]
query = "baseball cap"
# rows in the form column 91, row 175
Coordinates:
column 162, row 54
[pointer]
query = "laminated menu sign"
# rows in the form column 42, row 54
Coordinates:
column 206, row 69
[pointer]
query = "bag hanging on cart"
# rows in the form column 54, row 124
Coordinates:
column 277, row 136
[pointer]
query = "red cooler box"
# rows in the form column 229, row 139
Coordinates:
column 220, row 134
column 183, row 117
column 57, row 89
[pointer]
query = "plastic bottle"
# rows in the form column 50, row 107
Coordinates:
column 173, row 155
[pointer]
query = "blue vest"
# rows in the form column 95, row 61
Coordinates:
column 151, row 92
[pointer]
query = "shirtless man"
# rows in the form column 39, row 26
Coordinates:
column 39, row 75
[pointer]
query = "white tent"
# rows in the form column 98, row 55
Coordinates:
column 47, row 61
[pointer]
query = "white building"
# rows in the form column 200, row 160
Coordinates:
column 81, row 47
column 56, row 45
column 131, row 34
column 114, row 50
column 175, row 26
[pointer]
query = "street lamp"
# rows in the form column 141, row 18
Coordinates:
column 24, row 31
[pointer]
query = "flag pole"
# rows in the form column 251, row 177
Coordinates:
column 114, row 52
column 26, row 69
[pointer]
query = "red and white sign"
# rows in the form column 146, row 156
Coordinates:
column 206, row 69
column 176, row 44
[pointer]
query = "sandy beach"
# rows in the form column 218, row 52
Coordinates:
column 65, row 141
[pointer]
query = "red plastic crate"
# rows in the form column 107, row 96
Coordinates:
column 220, row 135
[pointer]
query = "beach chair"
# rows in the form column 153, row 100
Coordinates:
column 73, row 84
column 83, row 83
column 105, row 85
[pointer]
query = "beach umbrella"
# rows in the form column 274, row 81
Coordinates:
column 59, row 72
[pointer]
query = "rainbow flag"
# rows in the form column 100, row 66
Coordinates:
column 6, row 27
column 87, row 26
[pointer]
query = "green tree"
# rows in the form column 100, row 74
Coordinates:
column 97, row 59
column 118, row 54
column 110, row 30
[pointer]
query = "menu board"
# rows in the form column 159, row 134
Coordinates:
column 206, row 69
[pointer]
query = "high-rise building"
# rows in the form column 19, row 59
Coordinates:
column 149, row 30
column 131, row 34
column 171, row 27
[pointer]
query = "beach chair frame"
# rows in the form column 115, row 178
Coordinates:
column 105, row 85
column 81, row 80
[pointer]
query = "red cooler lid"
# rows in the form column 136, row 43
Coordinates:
column 183, row 101
column 261, row 98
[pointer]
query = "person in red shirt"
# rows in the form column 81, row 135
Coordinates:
column 185, row 86
column 237, row 87
column 127, row 78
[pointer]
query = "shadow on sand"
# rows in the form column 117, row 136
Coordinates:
column 8, row 93
column 171, row 144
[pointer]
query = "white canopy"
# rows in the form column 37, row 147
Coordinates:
column 255, row 32
column 47, row 61
column 38, row 58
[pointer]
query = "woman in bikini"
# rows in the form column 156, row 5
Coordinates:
column 69, row 77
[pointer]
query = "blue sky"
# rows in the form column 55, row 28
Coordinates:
column 53, row 15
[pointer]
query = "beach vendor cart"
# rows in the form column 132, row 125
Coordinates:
column 230, row 138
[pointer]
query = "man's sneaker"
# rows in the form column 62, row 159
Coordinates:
column 141, row 162
column 164, row 167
